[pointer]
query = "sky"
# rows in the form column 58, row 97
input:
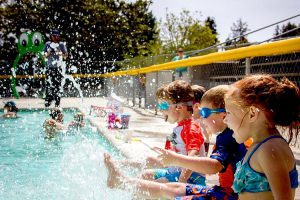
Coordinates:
column 256, row 13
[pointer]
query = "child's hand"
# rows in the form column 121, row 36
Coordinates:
column 167, row 157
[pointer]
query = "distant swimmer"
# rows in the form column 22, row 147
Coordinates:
column 78, row 120
column 10, row 110
column 55, row 123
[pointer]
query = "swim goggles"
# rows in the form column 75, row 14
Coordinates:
column 165, row 105
column 206, row 112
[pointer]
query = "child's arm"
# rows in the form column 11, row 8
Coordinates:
column 202, row 165
column 186, row 173
column 54, row 124
column 60, row 126
column 276, row 161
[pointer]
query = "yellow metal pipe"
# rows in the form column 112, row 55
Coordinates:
column 266, row 49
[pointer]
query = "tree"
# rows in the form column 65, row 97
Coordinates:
column 210, row 22
column 284, row 30
column 200, row 37
column 95, row 30
column 238, row 29
column 185, row 31
column 277, row 30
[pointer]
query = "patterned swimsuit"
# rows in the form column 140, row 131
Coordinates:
column 247, row 179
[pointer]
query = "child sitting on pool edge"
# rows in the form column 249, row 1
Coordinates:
column 256, row 107
column 176, row 103
column 198, row 93
column 10, row 110
column 226, row 153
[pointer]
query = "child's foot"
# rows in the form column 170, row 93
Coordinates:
column 114, row 175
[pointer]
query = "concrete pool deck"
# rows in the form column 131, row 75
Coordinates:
column 146, row 129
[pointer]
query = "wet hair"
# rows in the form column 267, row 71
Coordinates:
column 12, row 107
column 177, row 92
column 279, row 100
column 198, row 92
column 54, row 113
column 215, row 96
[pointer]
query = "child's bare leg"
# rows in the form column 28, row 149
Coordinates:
column 114, row 175
column 142, row 188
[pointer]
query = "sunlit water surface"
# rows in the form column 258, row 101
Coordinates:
column 68, row 166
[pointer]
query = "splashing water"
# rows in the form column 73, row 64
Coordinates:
column 68, row 166
column 70, row 77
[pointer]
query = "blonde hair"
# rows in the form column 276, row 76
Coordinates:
column 215, row 96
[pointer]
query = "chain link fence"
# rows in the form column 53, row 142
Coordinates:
column 141, row 92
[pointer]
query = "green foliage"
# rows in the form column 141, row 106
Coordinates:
column 210, row 22
column 200, row 37
column 94, row 30
column 285, row 29
column 186, row 31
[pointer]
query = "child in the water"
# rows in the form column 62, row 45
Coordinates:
column 10, row 110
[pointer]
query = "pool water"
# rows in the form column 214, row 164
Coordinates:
column 67, row 166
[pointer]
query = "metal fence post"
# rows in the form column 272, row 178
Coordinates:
column 145, row 93
column 248, row 66
column 133, row 90
column 139, row 86
column 156, row 87
column 128, row 84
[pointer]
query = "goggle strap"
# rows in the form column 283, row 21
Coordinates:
column 218, row 110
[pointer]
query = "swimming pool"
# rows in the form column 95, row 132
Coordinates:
column 67, row 166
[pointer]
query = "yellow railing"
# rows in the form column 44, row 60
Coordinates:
column 267, row 49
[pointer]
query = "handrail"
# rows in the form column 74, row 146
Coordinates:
column 266, row 49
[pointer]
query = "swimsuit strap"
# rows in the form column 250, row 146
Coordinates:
column 259, row 144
